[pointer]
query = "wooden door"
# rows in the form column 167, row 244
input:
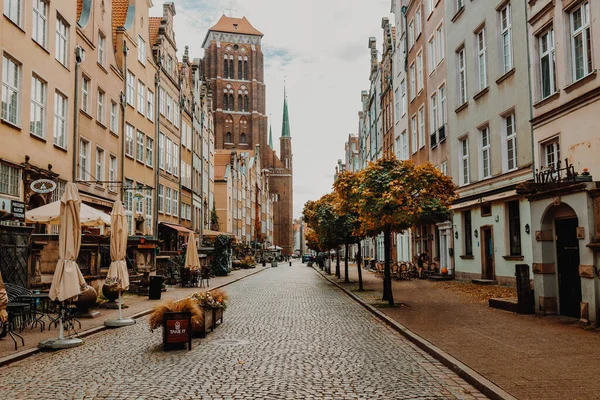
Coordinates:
column 487, row 242
column 567, row 263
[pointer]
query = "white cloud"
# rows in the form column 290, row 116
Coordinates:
column 319, row 47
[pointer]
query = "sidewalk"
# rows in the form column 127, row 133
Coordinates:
column 530, row 357
column 136, row 304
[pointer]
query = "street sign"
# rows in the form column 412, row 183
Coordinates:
column 18, row 210
column 177, row 330
column 43, row 186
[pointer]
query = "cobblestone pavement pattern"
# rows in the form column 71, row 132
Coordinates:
column 288, row 334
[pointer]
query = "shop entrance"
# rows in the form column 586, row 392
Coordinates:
column 567, row 263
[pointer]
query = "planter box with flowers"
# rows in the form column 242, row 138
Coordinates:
column 206, row 309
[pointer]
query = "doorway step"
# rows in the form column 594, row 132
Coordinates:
column 484, row 282
column 440, row 277
column 505, row 303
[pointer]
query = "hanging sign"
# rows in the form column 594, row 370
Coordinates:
column 18, row 210
column 43, row 186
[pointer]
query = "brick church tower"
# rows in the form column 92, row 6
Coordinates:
column 234, row 68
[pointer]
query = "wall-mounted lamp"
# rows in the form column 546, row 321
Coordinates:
column 456, row 235
column 527, row 229
column 497, row 218
column 476, row 233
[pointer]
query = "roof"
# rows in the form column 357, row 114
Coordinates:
column 119, row 16
column 153, row 25
column 235, row 25
column 285, row 125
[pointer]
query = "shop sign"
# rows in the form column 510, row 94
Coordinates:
column 43, row 186
column 177, row 329
column 18, row 210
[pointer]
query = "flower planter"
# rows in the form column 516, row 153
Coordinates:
column 217, row 316
column 209, row 324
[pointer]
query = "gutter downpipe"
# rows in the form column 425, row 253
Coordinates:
column 76, row 113
column 123, row 109
column 530, row 93
column 181, row 106
column 157, row 139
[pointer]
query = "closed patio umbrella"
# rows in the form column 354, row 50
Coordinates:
column 117, row 272
column 191, row 255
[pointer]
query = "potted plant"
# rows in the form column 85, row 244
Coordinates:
column 214, row 303
column 184, row 305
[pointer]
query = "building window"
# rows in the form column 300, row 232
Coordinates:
column 175, row 203
column 101, row 117
column 129, row 141
column 420, row 72
column 225, row 101
column 85, row 93
column 175, row 160
column 161, row 198
column 413, row 87
column 403, row 102
column 100, row 166
column 462, row 77
column 444, row 168
column 510, row 136
column 413, row 130
column 150, row 105
column 141, row 50
column 130, row 89
column 112, row 171
column 431, row 54
column 430, row 6
column 581, row 45
column 434, row 117
column 228, row 137
column 240, row 72
column 169, row 156
column 246, row 108
column 169, row 108
column 443, row 111
column 422, row 127
column 128, row 205
column 226, row 67
column 403, row 146
column 418, row 23
column 40, row 21
column 176, row 113
column 551, row 153
column 485, row 153
column 506, row 38
column 162, row 101
column 139, row 151
column 467, row 233
column 161, row 151
column 168, row 200
column 411, row 34
column 141, row 103
column 440, row 43
column 481, row 59
column 62, row 41
column 11, row 81
column 10, row 178
column 245, row 69
column 514, row 227
column 240, row 103
column 459, row 4
column 169, row 65
column 101, row 47
column 149, row 151
column 243, row 138
column 38, row 107
column 84, row 160
column 149, row 213
column 547, row 63
column 231, row 74
column 114, row 117
column 464, row 161
column 13, row 10
column 60, row 120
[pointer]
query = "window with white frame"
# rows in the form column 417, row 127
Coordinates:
column 396, row 105
column 459, row 4
column 581, row 41
column 418, row 23
column 11, row 84
column 175, row 159
column 462, row 77
column 130, row 133
column 141, row 103
column 403, row 100
column 130, row 89
column 510, row 137
column 175, row 113
column 85, row 94
column 422, row 126
column 443, row 110
column 506, row 38
column 161, row 198
column 551, row 153
column 481, row 59
column 101, row 49
column 547, row 63
column 433, row 116
column 149, row 207
column 404, row 145
column 128, row 205
column 413, row 86
column 62, row 41
column 37, row 112
column 139, row 150
column 189, row 136
column 169, row 156
column 163, row 102
column 431, row 54
column 39, row 31
column 175, row 203
column 141, row 50
column 139, row 203
column 169, row 108
column 150, row 105
column 168, row 194
column 101, row 117
column 411, row 34
column 440, row 43
column 444, row 167
column 161, row 151
column 100, row 165
column 10, row 180
column 149, row 151
column 430, row 6
column 414, row 134
column 486, row 158
column 112, row 171
column 84, row 160
column 14, row 11
column 60, row 120
column 464, row 161
column 114, row 117
column 419, row 71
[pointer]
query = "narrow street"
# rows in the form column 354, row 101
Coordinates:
column 288, row 334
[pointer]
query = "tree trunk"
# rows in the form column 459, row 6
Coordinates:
column 358, row 262
column 346, row 278
column 338, row 272
column 387, row 281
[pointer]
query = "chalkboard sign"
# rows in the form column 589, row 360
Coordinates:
column 18, row 210
column 177, row 330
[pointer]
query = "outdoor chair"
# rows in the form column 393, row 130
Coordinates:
column 404, row 272
column 204, row 276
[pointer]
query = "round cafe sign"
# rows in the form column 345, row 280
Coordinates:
column 43, row 186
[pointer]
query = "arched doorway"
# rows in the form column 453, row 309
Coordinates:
column 563, row 222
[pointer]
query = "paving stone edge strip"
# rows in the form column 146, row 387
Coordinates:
column 481, row 383
column 4, row 361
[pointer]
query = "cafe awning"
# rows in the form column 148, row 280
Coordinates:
column 176, row 227
column 50, row 214
column 210, row 233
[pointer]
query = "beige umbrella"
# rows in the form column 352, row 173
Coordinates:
column 191, row 256
column 118, row 267
column 67, row 281
column 51, row 214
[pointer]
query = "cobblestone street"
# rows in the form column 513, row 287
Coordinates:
column 288, row 334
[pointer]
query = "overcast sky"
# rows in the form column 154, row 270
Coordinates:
column 319, row 47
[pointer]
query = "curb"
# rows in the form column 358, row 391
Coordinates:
column 477, row 380
column 4, row 361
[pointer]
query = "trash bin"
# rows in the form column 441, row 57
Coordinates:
column 155, row 289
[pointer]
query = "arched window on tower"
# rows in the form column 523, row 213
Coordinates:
column 240, row 104
column 231, row 76
column 225, row 101
column 240, row 72
column 243, row 138
column 231, row 105
column 228, row 137
column 226, row 68
column 246, row 68
column 246, row 103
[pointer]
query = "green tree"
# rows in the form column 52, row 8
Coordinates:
column 214, row 218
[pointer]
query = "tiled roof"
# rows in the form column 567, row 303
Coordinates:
column 153, row 25
column 119, row 16
column 235, row 25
